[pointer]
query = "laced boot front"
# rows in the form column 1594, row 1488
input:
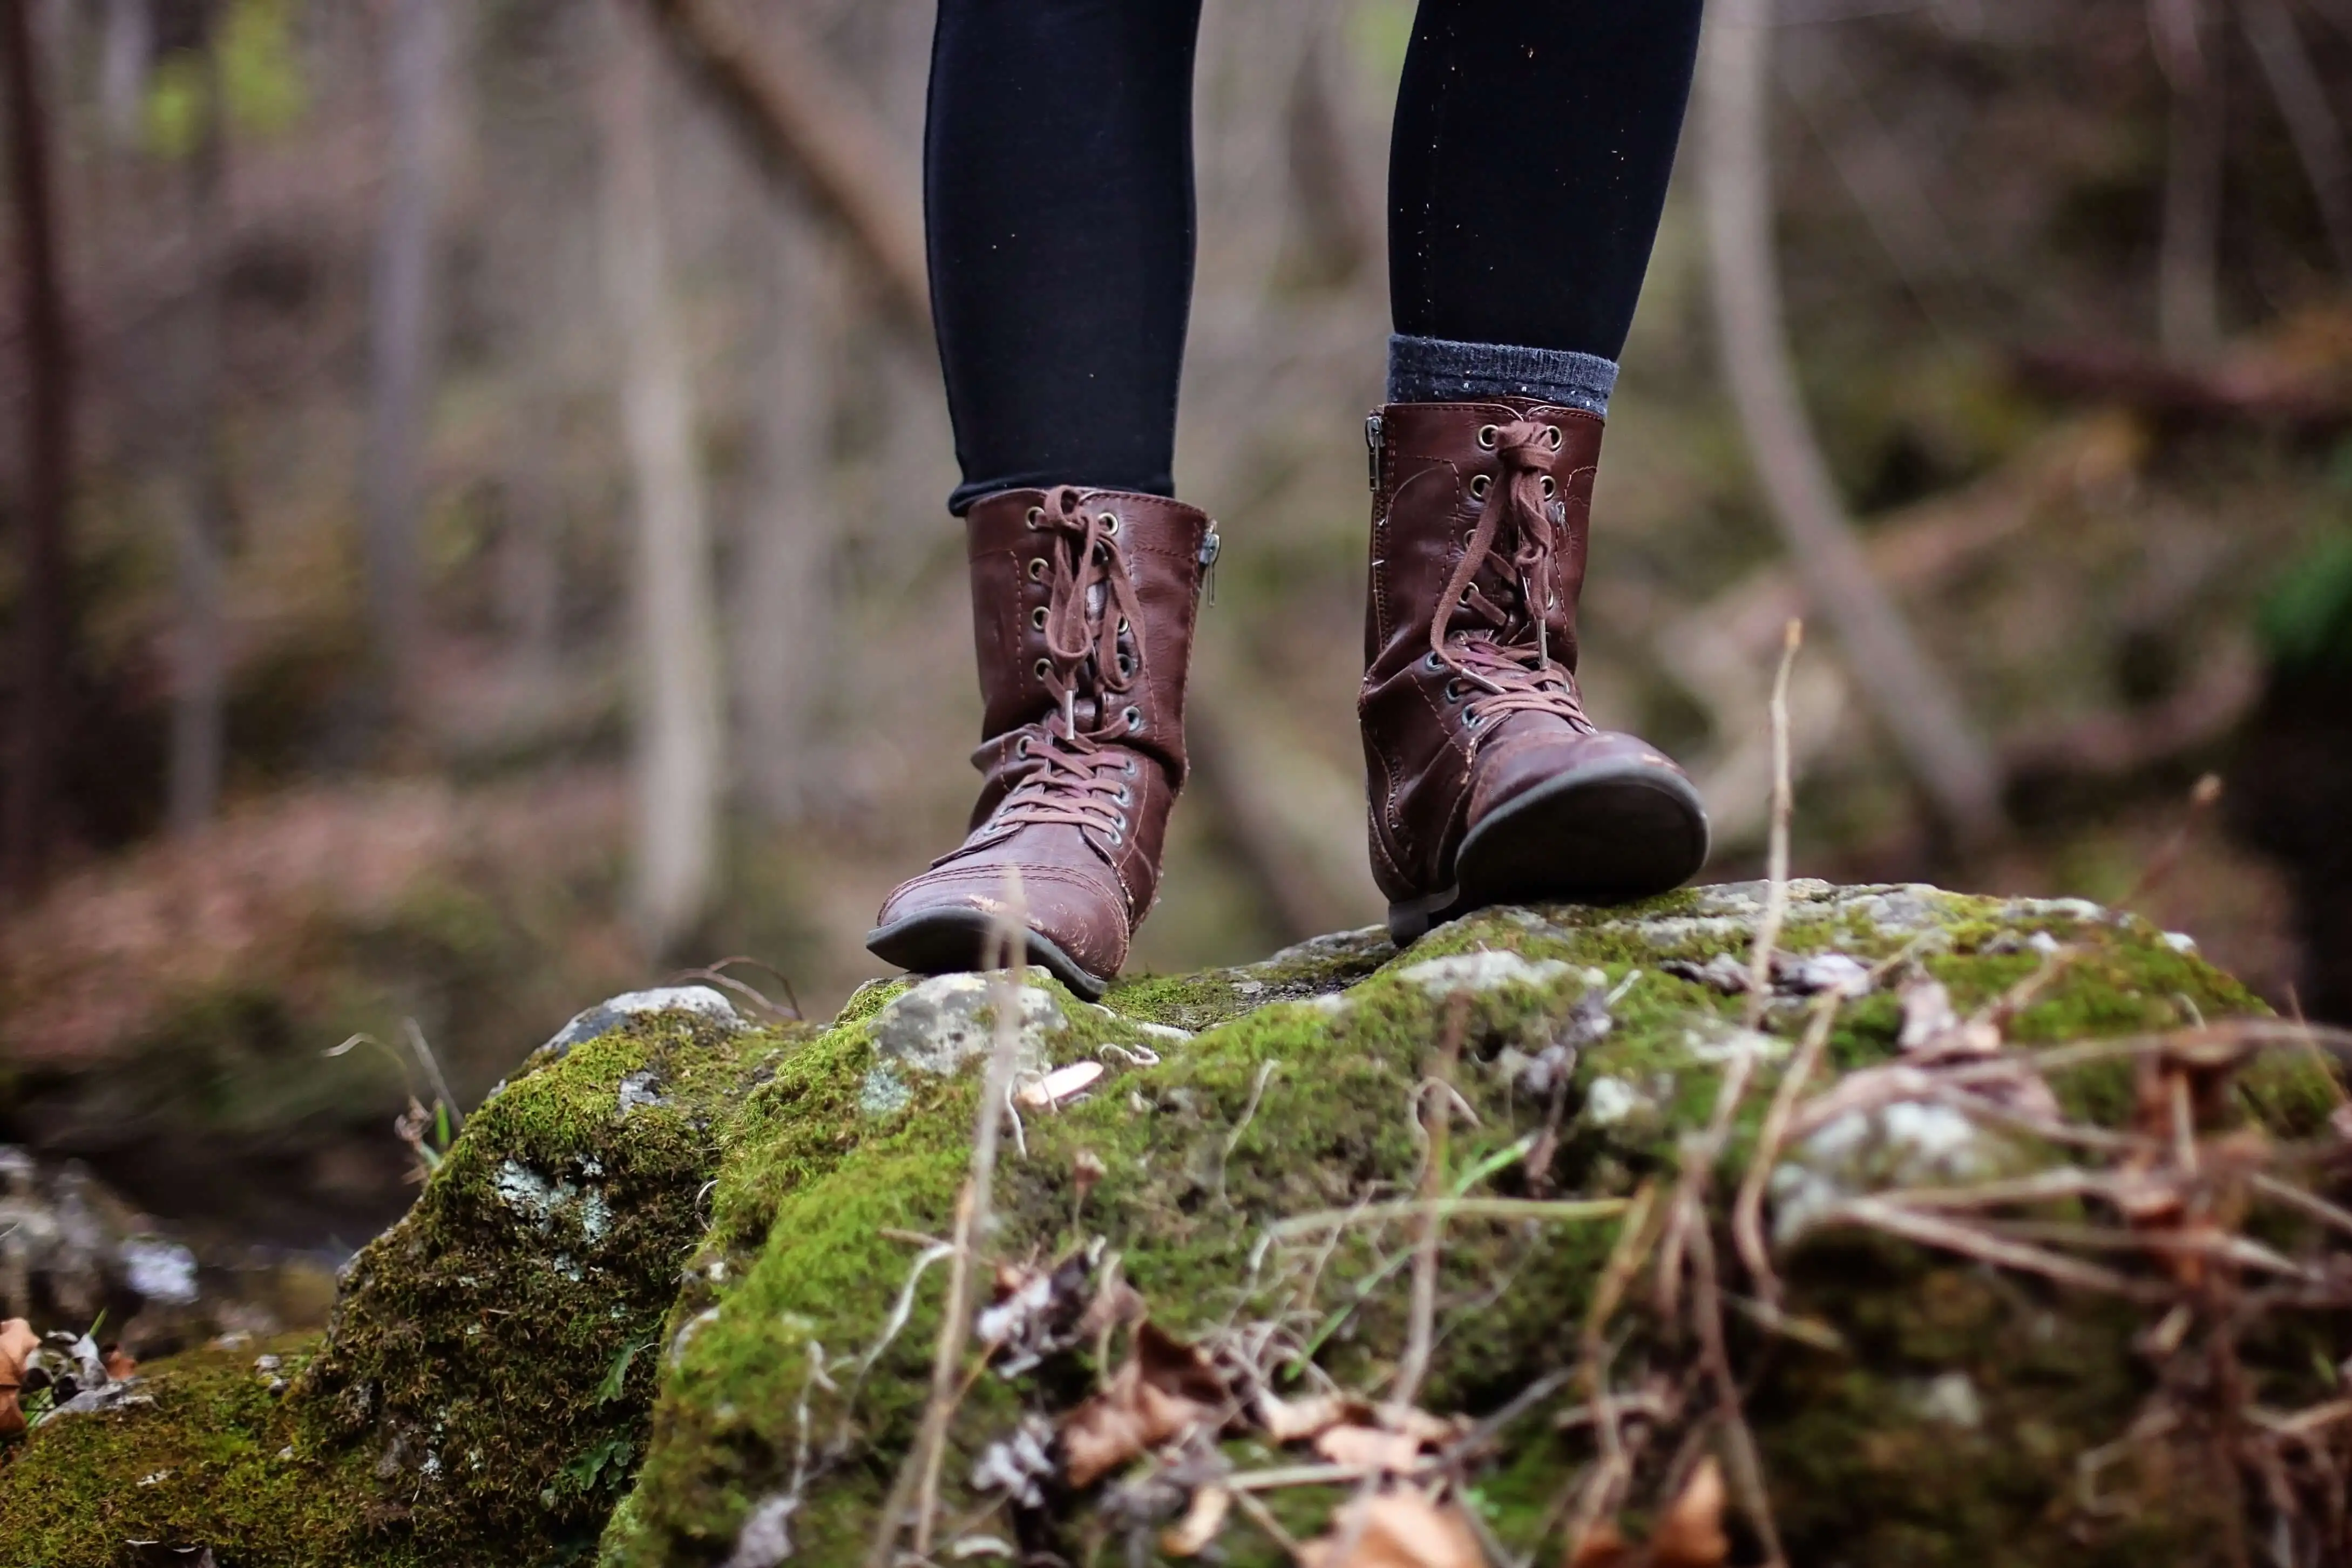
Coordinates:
column 1083, row 605
column 1487, row 784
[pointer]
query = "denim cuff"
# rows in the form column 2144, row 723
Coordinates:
column 1438, row 370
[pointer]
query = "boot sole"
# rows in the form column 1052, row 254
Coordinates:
column 956, row 941
column 1607, row 834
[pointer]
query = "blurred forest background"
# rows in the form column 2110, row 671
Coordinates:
column 471, row 535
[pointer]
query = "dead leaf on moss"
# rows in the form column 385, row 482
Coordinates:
column 119, row 1363
column 1035, row 1312
column 1395, row 1530
column 17, row 1340
column 1691, row 1533
column 1298, row 1420
column 1202, row 1523
column 1165, row 1390
column 1061, row 1085
column 1368, row 1447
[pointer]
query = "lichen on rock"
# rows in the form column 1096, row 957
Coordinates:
column 692, row 1321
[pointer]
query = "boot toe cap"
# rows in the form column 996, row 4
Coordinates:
column 1511, row 765
column 945, row 919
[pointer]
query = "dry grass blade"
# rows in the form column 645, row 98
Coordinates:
column 1776, row 894
column 1422, row 1329
column 1953, row 1237
column 1331, row 1219
column 1747, row 1209
column 1597, row 1498
column 2201, row 799
column 1747, row 1468
column 918, row 1478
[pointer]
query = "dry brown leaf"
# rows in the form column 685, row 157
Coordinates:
column 1395, row 1530
column 1368, row 1447
column 1691, row 1533
column 1414, row 1422
column 1060, row 1085
column 17, row 1340
column 119, row 1363
column 1202, row 1523
column 1295, row 1420
column 1085, row 1169
column 1602, row 1547
column 1165, row 1390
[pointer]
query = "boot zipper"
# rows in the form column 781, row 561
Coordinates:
column 1212, row 546
column 1372, row 448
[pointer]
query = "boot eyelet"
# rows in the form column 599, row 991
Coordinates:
column 1037, row 515
column 1467, row 590
column 1478, row 483
column 1431, row 662
column 1037, row 570
column 1021, row 747
column 1549, row 488
column 1134, row 717
column 1128, row 767
column 1557, row 439
column 1125, row 797
column 1044, row 669
column 1038, row 618
column 1454, row 691
column 1122, row 625
column 1126, row 666
column 1486, row 438
column 1110, row 524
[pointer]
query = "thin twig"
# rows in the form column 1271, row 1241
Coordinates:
column 1263, row 1517
column 973, row 1206
column 1249, row 1113
column 1598, row 1493
column 1747, row 1470
column 1776, row 889
column 1952, row 1237
column 1447, row 1208
column 1747, row 1209
column 1422, row 1323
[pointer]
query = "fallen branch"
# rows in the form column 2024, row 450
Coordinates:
column 1946, row 757
column 803, row 129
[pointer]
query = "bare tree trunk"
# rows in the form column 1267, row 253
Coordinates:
column 2303, row 100
column 201, row 504
column 679, row 731
column 783, row 610
column 530, row 553
column 1913, row 702
column 2188, row 309
column 807, row 131
column 401, row 342
column 126, row 51
column 43, row 632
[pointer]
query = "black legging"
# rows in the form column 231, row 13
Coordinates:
column 1527, row 170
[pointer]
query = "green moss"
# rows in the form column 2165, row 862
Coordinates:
column 739, row 1245
column 217, row 1458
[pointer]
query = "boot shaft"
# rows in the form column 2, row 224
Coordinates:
column 1433, row 465
column 1017, row 553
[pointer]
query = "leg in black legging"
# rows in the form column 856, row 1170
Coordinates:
column 1527, row 169
column 1059, row 187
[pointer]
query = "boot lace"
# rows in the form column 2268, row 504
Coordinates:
column 1092, row 604
column 1506, row 652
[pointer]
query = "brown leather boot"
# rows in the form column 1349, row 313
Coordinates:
column 1487, row 783
column 1082, row 608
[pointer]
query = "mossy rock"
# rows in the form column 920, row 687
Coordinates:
column 651, row 1293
